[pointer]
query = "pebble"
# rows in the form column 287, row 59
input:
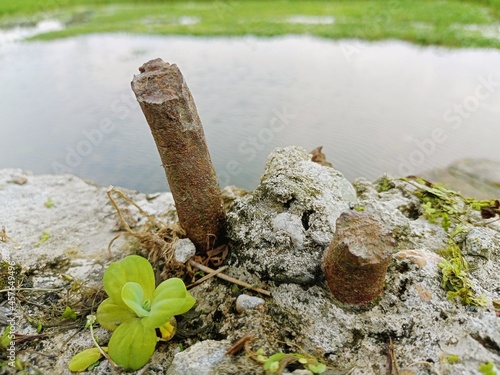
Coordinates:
column 245, row 302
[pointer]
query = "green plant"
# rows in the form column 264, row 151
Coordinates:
column 452, row 359
column 455, row 274
column 487, row 368
column 49, row 203
column 277, row 362
column 135, row 309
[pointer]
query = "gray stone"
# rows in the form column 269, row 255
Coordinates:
column 281, row 230
column 198, row 359
column 481, row 242
column 245, row 302
column 183, row 250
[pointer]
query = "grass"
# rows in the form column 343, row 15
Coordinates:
column 439, row 22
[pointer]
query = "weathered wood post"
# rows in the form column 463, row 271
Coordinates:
column 171, row 113
column 356, row 261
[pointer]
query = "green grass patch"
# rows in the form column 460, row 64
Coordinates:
column 423, row 22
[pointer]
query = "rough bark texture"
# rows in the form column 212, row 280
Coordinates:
column 171, row 113
column 356, row 261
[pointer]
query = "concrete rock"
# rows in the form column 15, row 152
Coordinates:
column 183, row 250
column 278, row 233
column 281, row 230
column 198, row 359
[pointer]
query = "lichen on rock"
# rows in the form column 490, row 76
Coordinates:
column 281, row 229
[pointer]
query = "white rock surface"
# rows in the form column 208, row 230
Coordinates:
column 198, row 359
column 183, row 250
column 279, row 233
column 281, row 230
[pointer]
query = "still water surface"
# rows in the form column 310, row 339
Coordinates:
column 66, row 105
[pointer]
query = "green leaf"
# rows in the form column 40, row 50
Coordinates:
column 133, row 295
column 270, row 363
column 316, row 369
column 132, row 344
column 69, row 313
column 110, row 315
column 44, row 238
column 6, row 337
column 83, row 360
column 48, row 203
column 169, row 299
column 132, row 268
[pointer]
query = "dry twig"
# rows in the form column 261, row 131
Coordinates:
column 229, row 278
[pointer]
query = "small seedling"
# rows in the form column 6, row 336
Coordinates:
column 69, row 313
column 43, row 238
column 49, row 203
column 279, row 361
column 135, row 309
column 487, row 368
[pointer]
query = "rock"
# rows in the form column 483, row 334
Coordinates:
column 183, row 250
column 198, row 359
column 413, row 311
column 281, row 230
column 245, row 302
column 481, row 242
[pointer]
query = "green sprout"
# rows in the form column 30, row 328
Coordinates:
column 278, row 361
column 487, row 368
column 43, row 238
column 452, row 359
column 49, row 203
column 135, row 309
column 69, row 313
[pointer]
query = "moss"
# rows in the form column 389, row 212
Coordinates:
column 445, row 206
column 455, row 279
column 450, row 209
column 384, row 184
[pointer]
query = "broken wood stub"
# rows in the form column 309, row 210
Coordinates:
column 356, row 261
column 171, row 113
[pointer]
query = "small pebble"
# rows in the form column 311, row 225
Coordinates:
column 245, row 302
column 183, row 250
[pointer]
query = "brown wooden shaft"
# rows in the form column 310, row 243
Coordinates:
column 356, row 261
column 171, row 113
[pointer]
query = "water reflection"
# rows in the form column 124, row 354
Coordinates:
column 66, row 105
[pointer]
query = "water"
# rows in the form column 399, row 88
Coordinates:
column 66, row 105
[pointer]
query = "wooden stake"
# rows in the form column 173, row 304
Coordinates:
column 171, row 113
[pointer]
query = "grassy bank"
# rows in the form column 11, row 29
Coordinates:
column 450, row 23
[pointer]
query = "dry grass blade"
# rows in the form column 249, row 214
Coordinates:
column 229, row 278
column 206, row 277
